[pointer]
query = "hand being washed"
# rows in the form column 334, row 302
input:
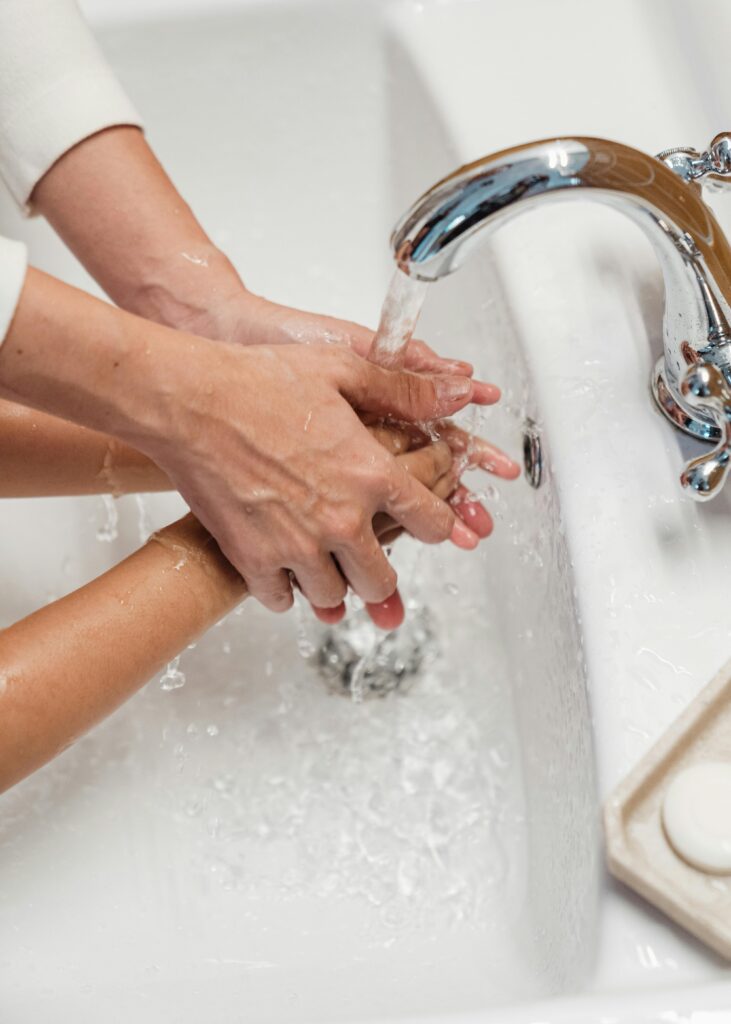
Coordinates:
column 439, row 466
column 113, row 204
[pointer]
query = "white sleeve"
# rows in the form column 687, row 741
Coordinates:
column 13, row 265
column 56, row 89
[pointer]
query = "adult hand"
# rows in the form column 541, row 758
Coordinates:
column 433, row 465
column 114, row 206
column 248, row 319
column 272, row 458
column 112, row 203
column 427, row 460
column 262, row 441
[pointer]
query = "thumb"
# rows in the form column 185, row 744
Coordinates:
column 402, row 395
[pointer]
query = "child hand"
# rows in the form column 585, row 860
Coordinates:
column 438, row 466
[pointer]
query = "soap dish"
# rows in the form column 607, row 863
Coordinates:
column 639, row 850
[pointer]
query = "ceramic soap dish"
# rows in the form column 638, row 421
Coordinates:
column 668, row 824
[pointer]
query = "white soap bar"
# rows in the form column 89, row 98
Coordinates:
column 696, row 815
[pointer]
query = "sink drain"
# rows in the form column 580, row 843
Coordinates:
column 532, row 453
column 359, row 661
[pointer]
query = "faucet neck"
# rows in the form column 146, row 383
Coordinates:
column 445, row 225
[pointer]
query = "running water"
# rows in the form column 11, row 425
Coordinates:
column 109, row 529
column 354, row 657
column 399, row 315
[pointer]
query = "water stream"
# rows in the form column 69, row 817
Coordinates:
column 354, row 657
column 399, row 314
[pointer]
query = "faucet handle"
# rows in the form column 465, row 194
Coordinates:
column 706, row 388
column 712, row 167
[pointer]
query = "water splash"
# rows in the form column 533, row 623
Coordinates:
column 144, row 524
column 356, row 658
column 172, row 678
column 411, row 807
column 109, row 529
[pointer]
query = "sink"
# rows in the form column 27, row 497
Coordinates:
column 250, row 846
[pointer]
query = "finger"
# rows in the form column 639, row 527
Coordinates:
column 330, row 616
column 477, row 452
column 395, row 439
column 463, row 536
column 472, row 513
column 484, row 393
column 422, row 513
column 420, row 358
column 397, row 393
column 321, row 582
column 273, row 590
column 388, row 614
column 367, row 570
column 428, row 464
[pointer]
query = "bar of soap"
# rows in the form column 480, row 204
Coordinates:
column 696, row 815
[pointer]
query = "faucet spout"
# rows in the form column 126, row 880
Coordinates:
column 660, row 194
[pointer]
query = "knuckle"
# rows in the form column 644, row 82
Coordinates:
column 382, row 476
column 308, row 551
column 412, row 391
column 350, row 526
column 443, row 520
column 348, row 362
column 442, row 457
column 279, row 599
column 282, row 603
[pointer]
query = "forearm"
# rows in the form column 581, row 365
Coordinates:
column 112, row 203
column 71, row 663
column 42, row 456
column 82, row 359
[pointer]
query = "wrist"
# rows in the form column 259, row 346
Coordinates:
column 194, row 550
column 189, row 288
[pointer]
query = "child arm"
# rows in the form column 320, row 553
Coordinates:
column 70, row 664
column 42, row 455
column 73, row 662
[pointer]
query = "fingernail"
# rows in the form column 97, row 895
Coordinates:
column 475, row 516
column 463, row 537
column 330, row 615
column 452, row 389
column 460, row 366
column 388, row 614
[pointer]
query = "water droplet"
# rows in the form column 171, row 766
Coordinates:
column 108, row 531
column 172, row 678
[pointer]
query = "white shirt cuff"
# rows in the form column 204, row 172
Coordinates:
column 13, row 265
column 56, row 89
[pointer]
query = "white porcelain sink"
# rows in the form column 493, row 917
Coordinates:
column 251, row 847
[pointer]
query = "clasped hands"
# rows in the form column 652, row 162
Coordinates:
column 321, row 495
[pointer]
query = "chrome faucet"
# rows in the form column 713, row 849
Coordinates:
column 691, row 382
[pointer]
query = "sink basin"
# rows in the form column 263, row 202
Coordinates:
column 250, row 846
